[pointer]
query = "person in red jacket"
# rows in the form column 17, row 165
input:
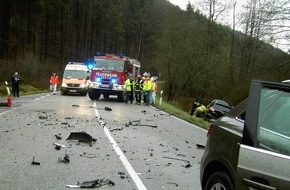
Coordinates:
column 54, row 82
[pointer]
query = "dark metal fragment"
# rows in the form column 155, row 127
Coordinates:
column 96, row 183
column 81, row 137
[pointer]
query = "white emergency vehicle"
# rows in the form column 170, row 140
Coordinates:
column 75, row 79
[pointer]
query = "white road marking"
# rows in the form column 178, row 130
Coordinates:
column 7, row 111
column 40, row 97
column 120, row 154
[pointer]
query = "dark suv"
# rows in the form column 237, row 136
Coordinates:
column 249, row 148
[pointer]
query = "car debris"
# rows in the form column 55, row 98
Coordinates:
column 93, row 184
column 58, row 136
column 173, row 183
column 33, row 162
column 108, row 109
column 187, row 165
column 88, row 155
column 200, row 146
column 65, row 159
column 153, row 126
column 82, row 137
column 58, row 146
column 182, row 155
column 122, row 175
column 43, row 116
column 116, row 129
column 137, row 123
column 176, row 159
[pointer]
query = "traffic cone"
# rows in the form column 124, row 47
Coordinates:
column 9, row 101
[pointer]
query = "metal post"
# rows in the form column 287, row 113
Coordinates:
column 160, row 100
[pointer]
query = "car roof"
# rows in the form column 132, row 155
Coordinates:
column 221, row 102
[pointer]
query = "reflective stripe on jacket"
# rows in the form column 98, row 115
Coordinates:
column 138, row 85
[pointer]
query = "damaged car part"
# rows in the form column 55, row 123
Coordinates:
column 93, row 184
column 82, row 137
column 33, row 162
column 65, row 159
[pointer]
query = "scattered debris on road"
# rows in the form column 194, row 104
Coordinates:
column 65, row 159
column 58, row 136
column 173, row 183
column 137, row 123
column 117, row 129
column 187, row 166
column 93, row 184
column 88, row 155
column 175, row 159
column 200, row 146
column 34, row 163
column 58, row 146
column 122, row 175
column 108, row 109
column 43, row 116
column 82, row 137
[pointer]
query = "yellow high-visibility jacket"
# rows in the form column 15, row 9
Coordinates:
column 129, row 85
column 148, row 85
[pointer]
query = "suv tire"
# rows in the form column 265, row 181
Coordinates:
column 219, row 181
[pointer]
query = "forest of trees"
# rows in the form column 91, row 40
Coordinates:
column 196, row 56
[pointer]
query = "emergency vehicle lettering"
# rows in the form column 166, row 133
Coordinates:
column 106, row 75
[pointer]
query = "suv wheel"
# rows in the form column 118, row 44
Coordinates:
column 219, row 181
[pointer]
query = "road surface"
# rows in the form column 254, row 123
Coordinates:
column 137, row 147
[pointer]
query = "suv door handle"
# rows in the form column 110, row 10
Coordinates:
column 257, row 185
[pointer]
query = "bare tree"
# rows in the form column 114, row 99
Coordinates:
column 263, row 20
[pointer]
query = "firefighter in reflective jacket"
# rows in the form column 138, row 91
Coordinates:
column 148, row 88
column 129, row 89
column 138, row 87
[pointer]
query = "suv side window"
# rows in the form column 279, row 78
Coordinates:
column 274, row 121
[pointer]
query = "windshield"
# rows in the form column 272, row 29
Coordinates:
column 77, row 74
column 106, row 64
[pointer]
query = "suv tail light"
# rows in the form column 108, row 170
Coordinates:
column 209, row 129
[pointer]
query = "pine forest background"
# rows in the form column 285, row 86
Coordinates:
column 190, row 51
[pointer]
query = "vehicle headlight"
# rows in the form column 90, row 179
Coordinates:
column 94, row 85
column 63, row 84
column 113, row 80
column 98, row 79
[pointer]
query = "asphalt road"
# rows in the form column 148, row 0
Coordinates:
column 137, row 147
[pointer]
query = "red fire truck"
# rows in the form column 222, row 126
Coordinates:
column 109, row 75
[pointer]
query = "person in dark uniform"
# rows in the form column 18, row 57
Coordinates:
column 138, row 89
column 15, row 80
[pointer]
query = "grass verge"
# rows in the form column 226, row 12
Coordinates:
column 177, row 112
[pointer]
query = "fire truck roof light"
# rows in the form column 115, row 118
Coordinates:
column 98, row 53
